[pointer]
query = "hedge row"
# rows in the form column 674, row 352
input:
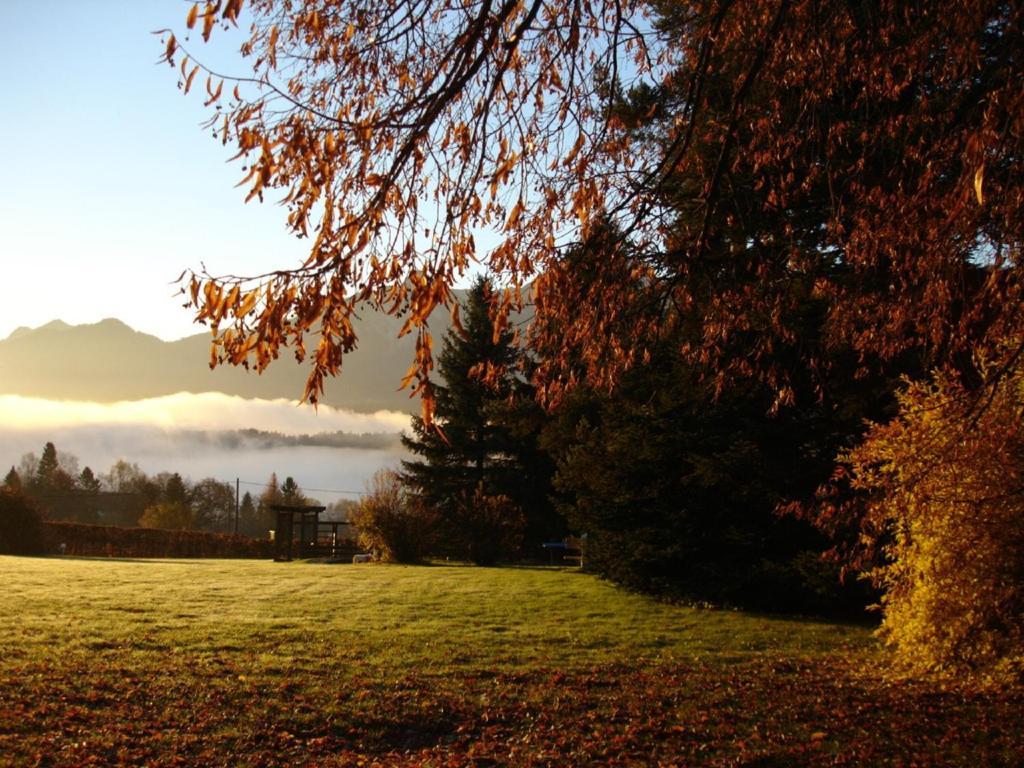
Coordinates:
column 110, row 541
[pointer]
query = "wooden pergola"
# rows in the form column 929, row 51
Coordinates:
column 301, row 533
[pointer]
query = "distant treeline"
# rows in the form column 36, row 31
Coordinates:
column 261, row 439
column 128, row 497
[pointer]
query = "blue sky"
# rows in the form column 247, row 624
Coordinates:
column 108, row 186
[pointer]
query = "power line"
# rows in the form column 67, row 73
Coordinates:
column 315, row 490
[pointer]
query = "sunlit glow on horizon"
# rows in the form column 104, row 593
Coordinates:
column 208, row 411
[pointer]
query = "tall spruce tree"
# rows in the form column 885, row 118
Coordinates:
column 47, row 471
column 482, row 440
column 468, row 449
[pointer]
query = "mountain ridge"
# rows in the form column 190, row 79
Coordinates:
column 109, row 361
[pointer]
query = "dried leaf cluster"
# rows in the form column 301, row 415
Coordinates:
column 395, row 132
column 868, row 153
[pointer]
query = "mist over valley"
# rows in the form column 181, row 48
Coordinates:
column 104, row 392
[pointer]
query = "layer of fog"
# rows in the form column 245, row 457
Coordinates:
column 178, row 434
column 206, row 411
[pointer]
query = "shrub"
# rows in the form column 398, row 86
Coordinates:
column 945, row 503
column 20, row 524
column 393, row 524
column 489, row 527
column 171, row 515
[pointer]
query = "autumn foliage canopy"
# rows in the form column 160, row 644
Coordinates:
column 751, row 154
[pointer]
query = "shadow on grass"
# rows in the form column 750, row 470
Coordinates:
column 419, row 731
column 545, row 567
column 869, row 620
column 380, row 735
column 495, row 566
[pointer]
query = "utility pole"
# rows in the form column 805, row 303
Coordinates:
column 237, row 484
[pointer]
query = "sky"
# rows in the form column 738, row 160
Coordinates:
column 109, row 188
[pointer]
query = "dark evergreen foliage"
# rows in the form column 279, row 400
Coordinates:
column 677, row 493
column 680, row 493
column 485, row 442
column 249, row 521
column 468, row 448
column 291, row 493
column 12, row 480
column 174, row 490
column 532, row 485
column 47, row 470
column 52, row 487
column 88, row 482
column 20, row 524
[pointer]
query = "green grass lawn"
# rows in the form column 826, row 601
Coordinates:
column 216, row 662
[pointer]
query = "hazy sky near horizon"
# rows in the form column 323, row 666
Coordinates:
column 109, row 186
column 168, row 434
column 203, row 411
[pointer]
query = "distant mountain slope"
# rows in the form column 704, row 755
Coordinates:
column 108, row 361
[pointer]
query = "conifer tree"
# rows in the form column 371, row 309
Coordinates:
column 266, row 517
column 12, row 480
column 47, row 469
column 291, row 493
column 84, row 504
column 175, row 490
column 469, row 448
column 88, row 482
column 248, row 519
column 272, row 492
column 52, row 485
column 469, row 458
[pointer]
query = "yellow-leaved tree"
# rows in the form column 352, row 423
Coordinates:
column 945, row 502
